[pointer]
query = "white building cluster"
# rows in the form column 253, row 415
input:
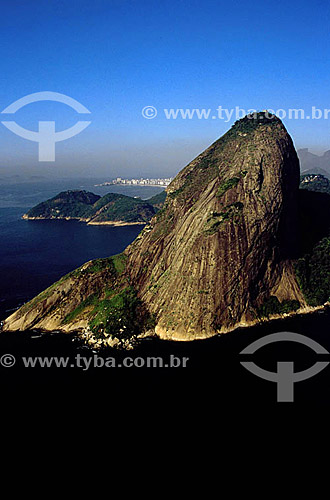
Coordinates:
column 139, row 182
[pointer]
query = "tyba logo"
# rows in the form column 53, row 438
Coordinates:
column 46, row 135
column 285, row 377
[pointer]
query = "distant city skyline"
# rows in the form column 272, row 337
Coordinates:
column 139, row 182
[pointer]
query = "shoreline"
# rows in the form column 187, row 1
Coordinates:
column 165, row 335
column 83, row 332
column 86, row 221
column 115, row 223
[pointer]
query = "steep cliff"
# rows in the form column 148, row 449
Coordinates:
column 223, row 242
column 220, row 247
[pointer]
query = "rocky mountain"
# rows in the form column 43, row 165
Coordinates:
column 93, row 209
column 222, row 244
column 220, row 253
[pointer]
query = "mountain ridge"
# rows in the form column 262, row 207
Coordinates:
column 314, row 164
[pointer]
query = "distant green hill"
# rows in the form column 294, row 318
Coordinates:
column 94, row 209
column 158, row 200
column 315, row 182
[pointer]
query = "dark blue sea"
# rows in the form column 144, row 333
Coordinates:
column 34, row 254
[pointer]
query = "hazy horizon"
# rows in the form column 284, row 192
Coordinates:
column 43, row 172
column 118, row 57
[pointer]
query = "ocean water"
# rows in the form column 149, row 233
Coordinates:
column 33, row 254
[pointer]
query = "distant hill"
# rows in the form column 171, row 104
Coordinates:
column 316, row 183
column 158, row 200
column 93, row 209
column 314, row 164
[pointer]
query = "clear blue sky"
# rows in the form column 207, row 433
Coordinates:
column 116, row 57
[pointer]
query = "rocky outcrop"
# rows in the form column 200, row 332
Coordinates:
column 222, row 244
column 224, row 241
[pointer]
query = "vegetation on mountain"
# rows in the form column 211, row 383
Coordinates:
column 315, row 182
column 158, row 200
column 313, row 265
column 273, row 306
column 86, row 206
column 74, row 204
column 313, row 273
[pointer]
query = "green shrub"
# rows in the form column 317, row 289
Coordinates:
column 228, row 184
column 91, row 300
column 120, row 315
column 215, row 219
column 273, row 306
column 119, row 262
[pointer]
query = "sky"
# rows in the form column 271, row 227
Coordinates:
column 118, row 57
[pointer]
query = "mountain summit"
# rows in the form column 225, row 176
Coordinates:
column 220, row 248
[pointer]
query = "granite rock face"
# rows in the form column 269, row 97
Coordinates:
column 224, row 241
column 221, row 245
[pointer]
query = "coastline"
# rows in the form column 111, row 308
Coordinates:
column 82, row 330
column 87, row 221
column 177, row 337
column 115, row 223
column 87, row 336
